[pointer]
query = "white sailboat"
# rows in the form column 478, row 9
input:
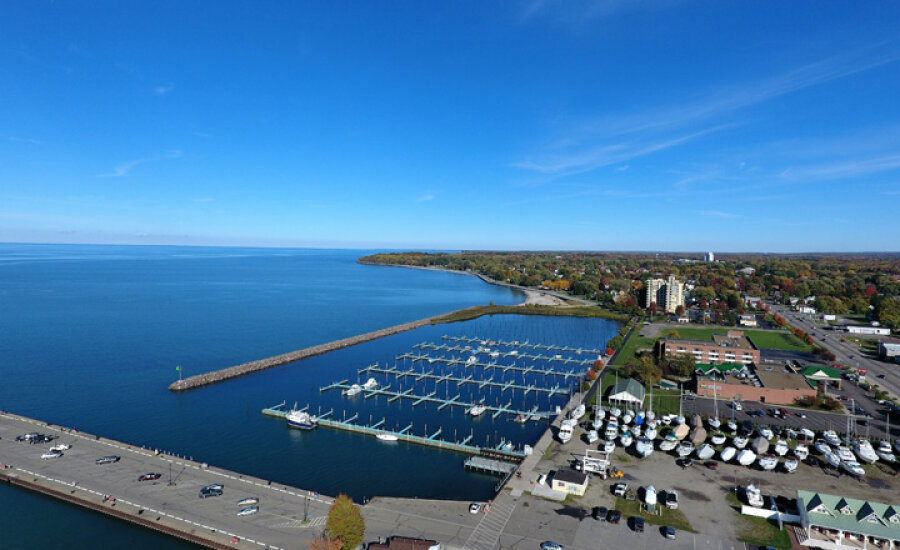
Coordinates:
column 768, row 462
column 740, row 441
column 643, row 447
column 746, row 457
column 705, row 451
column 790, row 465
column 831, row 437
column 684, row 448
column 727, row 454
column 781, row 447
column 717, row 438
column 565, row 433
column 714, row 421
column 801, row 451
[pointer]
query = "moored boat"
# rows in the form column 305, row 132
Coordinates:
column 352, row 390
column 301, row 420
column 384, row 436
column 476, row 410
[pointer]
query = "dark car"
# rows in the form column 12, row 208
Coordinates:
column 613, row 516
column 669, row 532
column 638, row 524
column 206, row 493
column 600, row 513
column 27, row 437
column 152, row 476
column 711, row 464
column 107, row 459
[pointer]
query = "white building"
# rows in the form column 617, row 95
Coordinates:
column 862, row 329
column 709, row 257
column 668, row 294
column 829, row 317
column 807, row 309
column 748, row 320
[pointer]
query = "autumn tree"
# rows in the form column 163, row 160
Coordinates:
column 324, row 543
column 345, row 523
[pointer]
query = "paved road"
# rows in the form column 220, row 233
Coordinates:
column 847, row 353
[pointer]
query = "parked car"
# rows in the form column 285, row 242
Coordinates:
column 109, row 459
column 619, row 489
column 152, row 476
column 671, row 499
column 613, row 516
column 600, row 513
column 638, row 524
column 475, row 507
column 669, row 532
column 51, row 454
column 550, row 545
column 712, row 464
column 206, row 493
column 783, row 411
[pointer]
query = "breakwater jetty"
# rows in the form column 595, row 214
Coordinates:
column 214, row 377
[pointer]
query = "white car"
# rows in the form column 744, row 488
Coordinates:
column 475, row 507
column 61, row 447
column 51, row 454
column 542, row 479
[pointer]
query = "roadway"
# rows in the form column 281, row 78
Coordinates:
column 886, row 375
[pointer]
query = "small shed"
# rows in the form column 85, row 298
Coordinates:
column 817, row 375
column 627, row 391
column 570, row 481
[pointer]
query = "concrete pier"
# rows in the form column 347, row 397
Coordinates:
column 283, row 359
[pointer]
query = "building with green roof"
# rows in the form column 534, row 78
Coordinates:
column 837, row 522
column 817, row 375
column 627, row 391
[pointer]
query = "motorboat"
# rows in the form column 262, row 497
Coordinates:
column 845, row 454
column 249, row 501
column 781, row 447
column 685, row 448
column 727, row 454
column 639, row 418
column 617, row 412
column 352, row 390
column 370, row 384
column 746, row 457
column 832, row 459
column 821, row 446
column 650, row 433
column 650, row 496
column 577, row 412
column 717, row 438
column 807, row 434
column 248, row 511
column 740, row 442
column 801, row 451
column 714, row 422
column 301, row 420
column 668, row 442
column 565, row 433
column 667, row 419
column 592, row 436
column 790, row 465
column 768, row 461
column 705, row 451
column 865, row 451
column 609, row 446
column 853, row 468
column 732, row 426
column 831, row 437
column 643, row 447
column 651, row 416
column 884, row 452
column 612, row 432
column 627, row 418
column 476, row 410
column 790, row 434
column 754, row 496
column 626, row 438
column 384, row 436
column 520, row 419
column 766, row 432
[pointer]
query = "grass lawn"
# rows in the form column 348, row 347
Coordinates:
column 674, row 518
column 664, row 401
column 762, row 339
column 758, row 531
column 631, row 346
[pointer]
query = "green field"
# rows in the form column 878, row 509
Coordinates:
column 758, row 531
column 762, row 339
column 631, row 346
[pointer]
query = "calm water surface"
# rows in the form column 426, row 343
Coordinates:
column 90, row 337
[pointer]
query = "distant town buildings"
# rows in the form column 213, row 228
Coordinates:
column 732, row 347
column 709, row 257
column 667, row 294
column 889, row 349
column 868, row 330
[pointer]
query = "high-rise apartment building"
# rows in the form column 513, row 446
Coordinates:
column 709, row 257
column 667, row 293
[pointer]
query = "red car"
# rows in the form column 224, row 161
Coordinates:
column 150, row 477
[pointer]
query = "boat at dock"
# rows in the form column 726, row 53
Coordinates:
column 385, row 436
column 301, row 420
column 476, row 410
column 352, row 390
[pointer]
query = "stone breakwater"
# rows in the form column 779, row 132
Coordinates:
column 278, row 360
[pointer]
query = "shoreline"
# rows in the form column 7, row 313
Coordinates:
column 533, row 296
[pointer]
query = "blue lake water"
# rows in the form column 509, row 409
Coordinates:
column 90, row 337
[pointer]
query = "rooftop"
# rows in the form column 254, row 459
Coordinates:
column 850, row 515
column 821, row 372
column 571, row 476
column 777, row 379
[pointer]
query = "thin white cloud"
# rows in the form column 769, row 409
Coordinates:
column 125, row 168
column 718, row 214
column 164, row 89
column 425, row 198
column 579, row 11
column 19, row 139
column 845, row 169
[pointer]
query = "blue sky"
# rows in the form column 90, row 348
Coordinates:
column 609, row 125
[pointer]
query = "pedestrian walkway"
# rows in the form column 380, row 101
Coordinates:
column 487, row 533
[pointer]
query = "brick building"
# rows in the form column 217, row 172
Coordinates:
column 731, row 347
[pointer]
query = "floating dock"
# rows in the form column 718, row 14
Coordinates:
column 440, row 378
column 503, row 451
column 548, row 347
column 492, row 365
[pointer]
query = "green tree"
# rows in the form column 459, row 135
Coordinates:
column 648, row 372
column 345, row 523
